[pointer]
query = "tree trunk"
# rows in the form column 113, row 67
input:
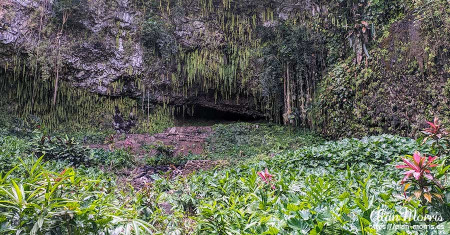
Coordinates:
column 287, row 98
column 55, row 92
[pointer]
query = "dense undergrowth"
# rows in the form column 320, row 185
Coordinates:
column 239, row 141
column 336, row 187
column 342, row 68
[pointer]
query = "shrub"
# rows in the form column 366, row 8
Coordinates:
column 244, row 140
column 438, row 136
column 332, row 188
column 115, row 160
column 423, row 176
column 56, row 148
column 328, row 188
column 44, row 202
column 74, row 10
column 375, row 150
column 157, row 38
column 10, row 148
column 164, row 155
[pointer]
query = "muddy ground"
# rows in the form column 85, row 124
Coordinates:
column 181, row 141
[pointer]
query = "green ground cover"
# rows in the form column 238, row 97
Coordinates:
column 312, row 187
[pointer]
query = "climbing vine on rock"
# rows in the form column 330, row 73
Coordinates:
column 325, row 64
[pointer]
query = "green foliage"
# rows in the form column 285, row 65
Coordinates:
column 156, row 121
column 323, row 188
column 165, row 155
column 246, row 140
column 113, row 160
column 295, row 53
column 309, row 198
column 68, row 5
column 72, row 10
column 56, row 148
column 73, row 153
column 76, row 110
column 42, row 201
column 375, row 150
column 157, row 38
column 161, row 149
column 319, row 187
column 24, row 126
column 248, row 49
column 161, row 160
column 5, row 119
column 88, row 135
column 17, row 126
column 354, row 24
column 327, row 188
column 357, row 99
column 447, row 88
column 10, row 147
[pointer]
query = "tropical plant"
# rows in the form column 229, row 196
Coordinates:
column 113, row 159
column 70, row 11
column 157, row 38
column 332, row 187
column 439, row 137
column 43, row 202
column 266, row 177
column 435, row 130
column 56, row 148
column 165, row 155
column 10, row 147
column 420, row 177
column 240, row 141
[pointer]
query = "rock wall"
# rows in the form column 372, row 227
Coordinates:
column 405, row 82
column 100, row 49
column 90, row 54
column 212, row 54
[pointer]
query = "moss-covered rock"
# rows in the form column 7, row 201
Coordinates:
column 341, row 67
column 404, row 83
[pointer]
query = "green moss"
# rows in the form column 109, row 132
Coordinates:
column 389, row 94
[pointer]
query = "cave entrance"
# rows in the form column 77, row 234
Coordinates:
column 199, row 115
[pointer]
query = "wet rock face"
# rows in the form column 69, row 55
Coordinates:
column 92, row 42
column 102, row 55
column 100, row 46
column 13, row 27
column 195, row 33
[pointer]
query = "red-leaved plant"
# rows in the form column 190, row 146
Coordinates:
column 440, row 139
column 419, row 176
column 435, row 130
column 266, row 177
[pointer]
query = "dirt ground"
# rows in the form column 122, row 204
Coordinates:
column 182, row 140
